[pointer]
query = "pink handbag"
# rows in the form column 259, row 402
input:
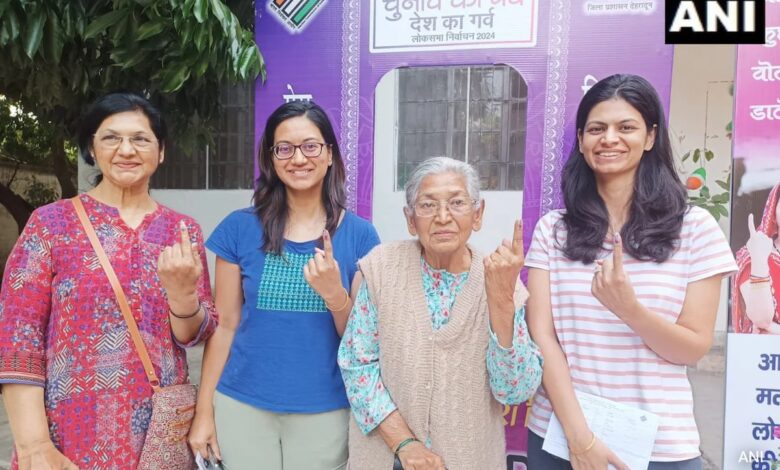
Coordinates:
column 173, row 408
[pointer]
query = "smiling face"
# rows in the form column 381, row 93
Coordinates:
column 445, row 233
column 301, row 174
column 127, row 166
column 614, row 138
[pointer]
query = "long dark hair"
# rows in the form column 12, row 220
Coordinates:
column 270, row 198
column 659, row 200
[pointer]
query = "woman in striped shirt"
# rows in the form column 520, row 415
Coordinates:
column 625, row 283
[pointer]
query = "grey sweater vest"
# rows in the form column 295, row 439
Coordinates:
column 438, row 379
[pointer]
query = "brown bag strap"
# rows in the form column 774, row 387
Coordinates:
column 120, row 294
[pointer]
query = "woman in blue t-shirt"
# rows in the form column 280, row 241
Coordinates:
column 270, row 390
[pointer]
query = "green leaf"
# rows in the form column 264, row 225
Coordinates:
column 34, row 33
column 201, row 38
column 721, row 198
column 216, row 9
column 150, row 29
column 705, row 192
column 103, row 22
column 686, row 156
column 711, row 209
column 133, row 59
column 223, row 15
column 54, row 40
column 246, row 60
column 200, row 10
column 723, row 185
column 709, row 155
column 5, row 34
column 722, row 210
column 173, row 78
column 69, row 20
column 696, row 155
column 13, row 23
column 158, row 43
column 729, row 127
column 186, row 32
column 202, row 66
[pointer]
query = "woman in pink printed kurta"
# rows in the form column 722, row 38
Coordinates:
column 61, row 327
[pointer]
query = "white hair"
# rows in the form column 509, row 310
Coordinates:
column 437, row 166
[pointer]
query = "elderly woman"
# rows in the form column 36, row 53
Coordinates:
column 436, row 341
column 75, row 390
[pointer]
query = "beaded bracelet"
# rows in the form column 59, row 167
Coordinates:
column 404, row 443
column 184, row 317
column 346, row 301
column 589, row 447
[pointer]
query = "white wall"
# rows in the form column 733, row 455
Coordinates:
column 207, row 207
column 701, row 107
column 502, row 208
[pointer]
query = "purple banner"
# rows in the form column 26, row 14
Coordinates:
column 337, row 52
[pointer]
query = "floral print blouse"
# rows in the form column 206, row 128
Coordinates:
column 514, row 373
column 61, row 327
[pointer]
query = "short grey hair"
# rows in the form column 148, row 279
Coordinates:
column 437, row 166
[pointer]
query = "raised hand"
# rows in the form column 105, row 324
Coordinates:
column 760, row 246
column 611, row 285
column 323, row 274
column 502, row 268
column 179, row 267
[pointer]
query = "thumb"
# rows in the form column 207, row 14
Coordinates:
column 751, row 225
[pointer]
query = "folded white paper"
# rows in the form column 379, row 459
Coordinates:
column 628, row 431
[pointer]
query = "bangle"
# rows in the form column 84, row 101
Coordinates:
column 346, row 301
column 587, row 448
column 759, row 279
column 184, row 317
column 403, row 444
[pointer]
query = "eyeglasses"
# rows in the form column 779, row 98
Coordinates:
column 308, row 149
column 140, row 142
column 456, row 206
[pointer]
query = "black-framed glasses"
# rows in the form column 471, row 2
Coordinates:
column 459, row 205
column 286, row 151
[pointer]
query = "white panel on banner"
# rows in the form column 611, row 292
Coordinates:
column 752, row 436
column 427, row 25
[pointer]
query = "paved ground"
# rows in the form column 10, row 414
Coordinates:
column 708, row 390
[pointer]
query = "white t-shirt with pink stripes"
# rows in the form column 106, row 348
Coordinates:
column 605, row 356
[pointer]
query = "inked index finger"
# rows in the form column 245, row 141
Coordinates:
column 186, row 244
column 327, row 244
column 617, row 253
column 517, row 238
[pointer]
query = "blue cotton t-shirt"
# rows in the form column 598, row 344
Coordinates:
column 283, row 356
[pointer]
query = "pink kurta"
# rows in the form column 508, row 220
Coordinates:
column 61, row 327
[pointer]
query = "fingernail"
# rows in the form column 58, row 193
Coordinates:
column 325, row 234
column 182, row 225
column 617, row 238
